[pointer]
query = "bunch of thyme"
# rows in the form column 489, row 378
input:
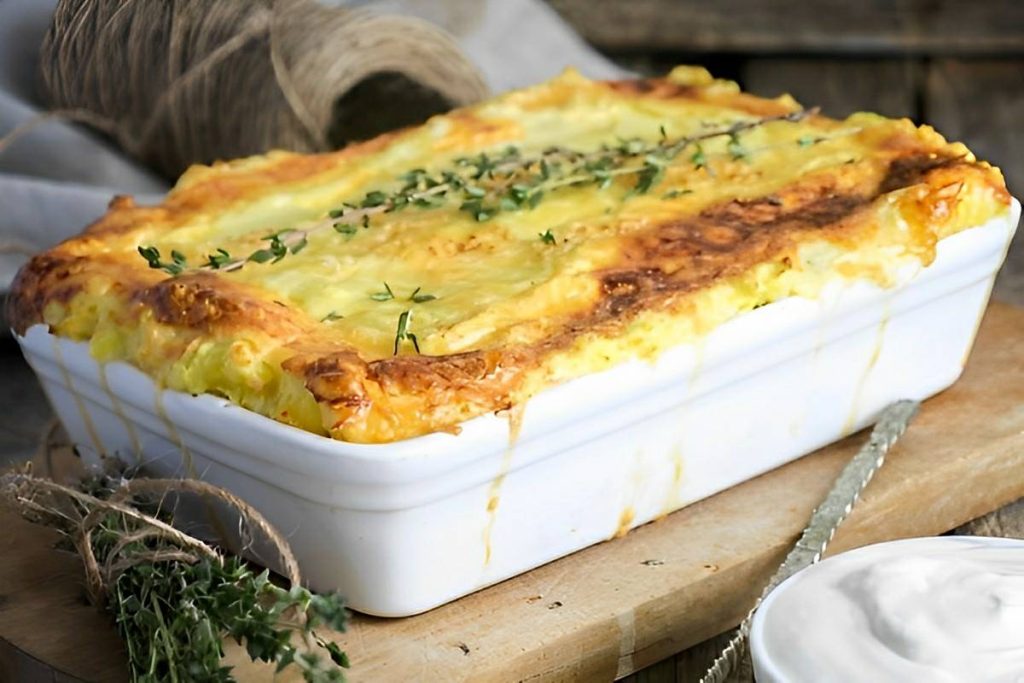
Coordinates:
column 173, row 598
column 173, row 617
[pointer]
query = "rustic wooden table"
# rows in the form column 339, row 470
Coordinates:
column 961, row 72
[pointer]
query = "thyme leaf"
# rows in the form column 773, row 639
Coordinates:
column 736, row 149
column 218, row 260
column 402, row 332
column 346, row 229
column 386, row 295
column 418, row 298
column 698, row 159
column 176, row 266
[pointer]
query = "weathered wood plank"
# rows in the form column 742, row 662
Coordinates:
column 827, row 26
column 47, row 629
column 840, row 87
column 1007, row 522
column 982, row 104
column 662, row 672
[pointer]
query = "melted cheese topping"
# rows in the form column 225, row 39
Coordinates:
column 305, row 342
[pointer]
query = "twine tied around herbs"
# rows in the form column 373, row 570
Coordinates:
column 78, row 514
column 195, row 81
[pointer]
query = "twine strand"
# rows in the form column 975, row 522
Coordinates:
column 85, row 116
column 79, row 514
column 317, row 137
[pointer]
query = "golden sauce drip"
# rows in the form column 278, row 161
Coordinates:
column 90, row 428
column 699, row 346
column 672, row 502
column 173, row 435
column 515, row 425
column 115, row 403
column 851, row 419
column 625, row 521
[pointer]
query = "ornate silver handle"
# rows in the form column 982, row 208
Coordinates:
column 825, row 520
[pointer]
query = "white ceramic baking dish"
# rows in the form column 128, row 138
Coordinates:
column 400, row 528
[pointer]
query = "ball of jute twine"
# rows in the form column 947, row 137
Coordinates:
column 194, row 81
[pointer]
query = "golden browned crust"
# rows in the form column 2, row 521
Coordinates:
column 657, row 267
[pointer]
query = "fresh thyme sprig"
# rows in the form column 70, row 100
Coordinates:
column 417, row 296
column 420, row 298
column 402, row 333
column 172, row 617
column 486, row 185
column 176, row 266
column 174, row 598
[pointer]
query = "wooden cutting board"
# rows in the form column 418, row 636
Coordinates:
column 619, row 606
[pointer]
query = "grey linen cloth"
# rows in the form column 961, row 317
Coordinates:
column 59, row 177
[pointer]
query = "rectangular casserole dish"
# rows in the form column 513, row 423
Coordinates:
column 403, row 527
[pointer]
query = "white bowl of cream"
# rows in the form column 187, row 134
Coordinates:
column 948, row 609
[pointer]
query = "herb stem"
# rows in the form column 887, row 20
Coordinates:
column 172, row 667
column 487, row 186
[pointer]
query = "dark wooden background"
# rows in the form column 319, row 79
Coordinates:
column 957, row 65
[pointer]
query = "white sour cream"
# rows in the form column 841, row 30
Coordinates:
column 941, row 610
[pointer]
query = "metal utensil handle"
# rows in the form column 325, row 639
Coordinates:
column 825, row 520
